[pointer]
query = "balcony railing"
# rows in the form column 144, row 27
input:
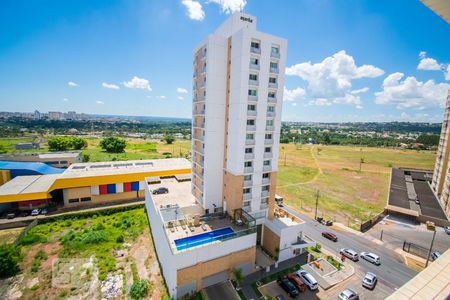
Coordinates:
column 274, row 70
column 252, row 98
column 248, row 183
column 264, row 194
column 255, row 50
column 248, row 170
column 247, row 196
column 249, row 156
column 251, row 112
column 270, row 128
column 275, row 55
column 268, row 154
column 268, row 141
column 273, row 85
column 272, row 99
column 267, row 168
column 249, row 142
column 253, row 82
column 263, row 206
column 271, row 114
column 251, row 127
column 254, row 67
column 265, row 180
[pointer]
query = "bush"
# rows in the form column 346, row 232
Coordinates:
column 9, row 259
column 169, row 139
column 30, row 239
column 119, row 239
column 113, row 144
column 139, row 289
column 58, row 143
column 78, row 143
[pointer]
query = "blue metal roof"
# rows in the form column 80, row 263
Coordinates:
column 37, row 167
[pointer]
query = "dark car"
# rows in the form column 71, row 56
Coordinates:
column 11, row 216
column 435, row 255
column 288, row 287
column 160, row 190
column 330, row 236
column 299, row 284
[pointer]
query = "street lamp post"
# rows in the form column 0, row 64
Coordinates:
column 317, row 203
column 431, row 247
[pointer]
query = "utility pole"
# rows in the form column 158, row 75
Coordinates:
column 431, row 247
column 317, row 203
column 360, row 159
column 284, row 158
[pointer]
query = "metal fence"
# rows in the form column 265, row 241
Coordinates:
column 370, row 223
column 415, row 249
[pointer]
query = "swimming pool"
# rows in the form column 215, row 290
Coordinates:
column 204, row 238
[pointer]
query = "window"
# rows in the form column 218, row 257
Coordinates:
column 265, row 188
column 247, row 190
column 246, row 203
column 247, row 177
column 271, row 108
column 267, row 149
column 271, row 94
column 251, row 107
column 273, row 65
column 250, row 136
column 275, row 50
column 85, row 199
column 252, row 92
column 251, row 122
column 248, row 150
column 268, row 136
column 267, row 162
column 265, row 175
column 248, row 164
column 269, row 122
column 74, row 200
column 254, row 61
column 253, row 77
column 255, row 45
column 264, row 200
column 272, row 79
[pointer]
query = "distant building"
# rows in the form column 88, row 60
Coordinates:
column 71, row 115
column 36, row 115
column 26, row 146
column 55, row 159
column 55, row 115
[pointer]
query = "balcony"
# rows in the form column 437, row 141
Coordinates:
column 268, row 154
column 250, row 141
column 264, row 206
column 247, row 207
column 199, row 124
column 249, row 156
column 247, row 196
column 198, row 112
column 265, row 180
column 203, row 84
column 252, row 98
column 275, row 55
column 251, row 113
column 273, row 85
column 267, row 168
column 268, row 141
column 248, row 169
column 253, row 82
column 248, row 183
column 272, row 100
column 203, row 70
column 251, row 127
column 274, row 70
column 271, row 114
column 254, row 67
column 270, row 128
column 264, row 194
column 199, row 98
column 255, row 50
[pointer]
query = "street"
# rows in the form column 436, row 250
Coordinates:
column 392, row 272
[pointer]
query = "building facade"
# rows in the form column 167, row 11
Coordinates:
column 237, row 102
column 441, row 176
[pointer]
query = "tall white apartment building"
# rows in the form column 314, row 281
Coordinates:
column 441, row 176
column 237, row 103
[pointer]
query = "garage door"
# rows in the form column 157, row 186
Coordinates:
column 186, row 289
column 213, row 279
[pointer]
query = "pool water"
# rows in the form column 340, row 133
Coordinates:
column 204, row 238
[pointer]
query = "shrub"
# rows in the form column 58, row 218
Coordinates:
column 169, row 139
column 30, row 239
column 9, row 259
column 119, row 239
column 78, row 143
column 139, row 289
column 35, row 287
column 113, row 144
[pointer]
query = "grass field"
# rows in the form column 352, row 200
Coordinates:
column 97, row 236
column 346, row 194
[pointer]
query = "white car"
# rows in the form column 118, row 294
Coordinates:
column 371, row 257
column 348, row 294
column 352, row 254
column 370, row 280
column 447, row 229
column 35, row 212
column 308, row 279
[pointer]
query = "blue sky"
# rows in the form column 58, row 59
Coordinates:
column 347, row 60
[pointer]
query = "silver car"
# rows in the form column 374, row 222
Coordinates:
column 371, row 257
column 370, row 280
column 308, row 279
column 348, row 294
column 352, row 254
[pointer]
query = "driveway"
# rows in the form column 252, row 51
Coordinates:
column 223, row 290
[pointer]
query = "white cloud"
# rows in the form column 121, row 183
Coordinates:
column 411, row 93
column 194, row 10
column 230, row 6
column 71, row 83
column 447, row 75
column 422, row 54
column 110, row 86
column 332, row 78
column 66, row 99
column 292, row 95
column 182, row 90
column 320, row 102
column 360, row 91
column 180, row 98
column 429, row 64
column 99, row 102
column 162, row 97
column 138, row 83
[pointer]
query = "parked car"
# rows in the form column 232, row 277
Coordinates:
column 10, row 216
column 330, row 236
column 435, row 255
column 349, row 253
column 299, row 284
column 288, row 287
column 24, row 214
column 279, row 297
column 308, row 279
column 370, row 257
column 35, row 212
column 370, row 280
column 160, row 190
column 447, row 229
column 44, row 211
column 348, row 294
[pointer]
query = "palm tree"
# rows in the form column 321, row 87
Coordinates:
column 238, row 276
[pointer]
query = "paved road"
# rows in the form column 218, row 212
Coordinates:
column 392, row 272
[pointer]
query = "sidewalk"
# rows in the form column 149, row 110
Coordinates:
column 246, row 284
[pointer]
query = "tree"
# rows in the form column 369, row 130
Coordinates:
column 238, row 276
column 9, row 258
column 139, row 289
column 169, row 139
column 85, row 157
column 58, row 143
column 78, row 143
column 113, row 144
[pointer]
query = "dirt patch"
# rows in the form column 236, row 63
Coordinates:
column 140, row 253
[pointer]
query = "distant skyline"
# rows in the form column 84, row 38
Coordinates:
column 347, row 60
